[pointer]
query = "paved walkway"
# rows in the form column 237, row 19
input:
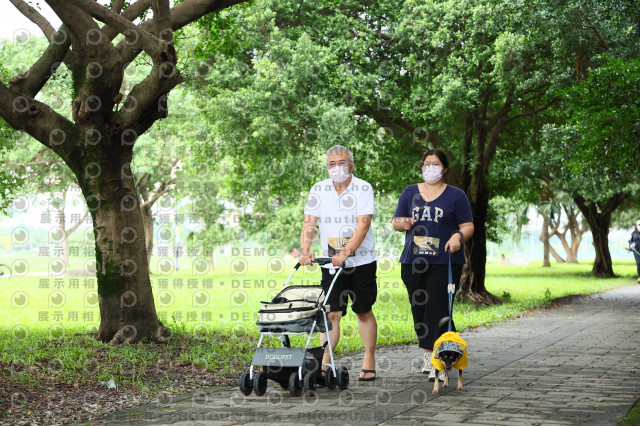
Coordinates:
column 578, row 364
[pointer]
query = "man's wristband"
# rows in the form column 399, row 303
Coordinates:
column 461, row 234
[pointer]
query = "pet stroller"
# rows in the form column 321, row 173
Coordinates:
column 297, row 309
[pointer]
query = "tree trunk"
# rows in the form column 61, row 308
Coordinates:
column 576, row 237
column 472, row 286
column 555, row 254
column 572, row 254
column 147, row 214
column 147, row 220
column 598, row 216
column 602, row 266
column 127, row 309
column 544, row 237
column 65, row 236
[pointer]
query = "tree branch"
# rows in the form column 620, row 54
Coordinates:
column 181, row 15
column 32, row 163
column 165, row 187
column 595, row 30
column 117, row 6
column 34, row 80
column 162, row 20
column 78, row 22
column 74, row 227
column 131, row 13
column 147, row 100
column 135, row 35
column 612, row 203
column 398, row 125
column 35, row 17
column 497, row 125
column 142, row 182
column 535, row 111
column 555, row 254
column 192, row 10
column 38, row 120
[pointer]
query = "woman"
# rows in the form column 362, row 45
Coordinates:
column 437, row 220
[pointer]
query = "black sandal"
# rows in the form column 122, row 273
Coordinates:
column 367, row 379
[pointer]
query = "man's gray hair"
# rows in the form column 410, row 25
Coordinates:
column 339, row 149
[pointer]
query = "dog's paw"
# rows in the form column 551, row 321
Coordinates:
column 459, row 387
column 435, row 391
column 445, row 385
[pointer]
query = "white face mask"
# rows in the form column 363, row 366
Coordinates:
column 339, row 174
column 431, row 174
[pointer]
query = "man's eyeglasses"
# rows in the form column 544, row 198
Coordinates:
column 342, row 163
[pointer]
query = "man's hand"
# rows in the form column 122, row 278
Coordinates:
column 306, row 259
column 337, row 259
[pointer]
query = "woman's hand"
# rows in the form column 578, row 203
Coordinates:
column 454, row 243
column 402, row 223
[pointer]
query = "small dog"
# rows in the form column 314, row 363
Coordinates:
column 449, row 351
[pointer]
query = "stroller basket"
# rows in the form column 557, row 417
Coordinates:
column 294, row 310
column 311, row 365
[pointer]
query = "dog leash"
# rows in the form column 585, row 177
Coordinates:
column 451, row 288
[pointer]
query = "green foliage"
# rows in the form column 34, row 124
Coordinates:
column 626, row 216
column 508, row 215
column 606, row 114
column 278, row 229
column 31, row 168
column 9, row 182
column 597, row 147
column 386, row 79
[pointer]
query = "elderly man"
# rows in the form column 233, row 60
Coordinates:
column 343, row 207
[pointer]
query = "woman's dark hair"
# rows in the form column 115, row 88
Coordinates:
column 441, row 156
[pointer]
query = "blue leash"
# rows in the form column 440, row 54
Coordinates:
column 451, row 288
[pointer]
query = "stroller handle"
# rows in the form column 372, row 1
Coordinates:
column 321, row 261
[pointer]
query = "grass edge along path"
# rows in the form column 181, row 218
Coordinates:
column 633, row 417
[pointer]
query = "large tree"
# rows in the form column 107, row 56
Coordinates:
column 97, row 142
column 389, row 79
column 599, row 148
column 594, row 142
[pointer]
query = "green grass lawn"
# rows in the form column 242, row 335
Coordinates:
column 45, row 321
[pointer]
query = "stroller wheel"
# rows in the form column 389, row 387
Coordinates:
column 308, row 383
column 343, row 378
column 246, row 384
column 260, row 384
column 329, row 378
column 295, row 387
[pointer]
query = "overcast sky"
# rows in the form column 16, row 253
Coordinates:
column 12, row 22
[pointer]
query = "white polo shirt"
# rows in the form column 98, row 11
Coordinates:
column 337, row 218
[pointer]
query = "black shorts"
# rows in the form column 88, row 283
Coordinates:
column 358, row 283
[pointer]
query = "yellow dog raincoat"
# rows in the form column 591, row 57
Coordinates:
column 449, row 341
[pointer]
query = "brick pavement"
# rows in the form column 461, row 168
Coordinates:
column 578, row 364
